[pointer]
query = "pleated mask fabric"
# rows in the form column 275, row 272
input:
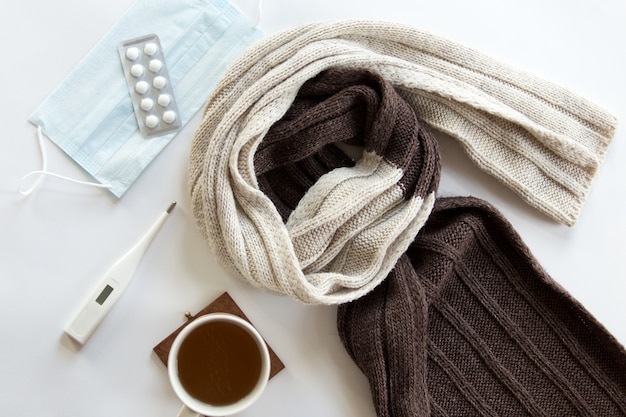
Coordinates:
column 469, row 324
column 90, row 114
column 539, row 139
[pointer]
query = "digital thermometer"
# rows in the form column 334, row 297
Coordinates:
column 111, row 286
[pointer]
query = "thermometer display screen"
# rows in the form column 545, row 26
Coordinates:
column 104, row 294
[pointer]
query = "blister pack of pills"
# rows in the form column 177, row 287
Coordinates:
column 149, row 85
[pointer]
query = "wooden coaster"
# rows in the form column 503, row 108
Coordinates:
column 223, row 304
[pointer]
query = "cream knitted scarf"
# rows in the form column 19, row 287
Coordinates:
column 541, row 140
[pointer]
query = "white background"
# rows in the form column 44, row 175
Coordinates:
column 56, row 243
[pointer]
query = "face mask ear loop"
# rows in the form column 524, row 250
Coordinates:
column 259, row 13
column 44, row 171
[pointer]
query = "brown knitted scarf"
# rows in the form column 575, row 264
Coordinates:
column 467, row 323
column 470, row 324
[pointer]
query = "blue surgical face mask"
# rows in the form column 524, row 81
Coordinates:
column 90, row 114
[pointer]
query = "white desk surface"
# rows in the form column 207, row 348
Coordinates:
column 56, row 243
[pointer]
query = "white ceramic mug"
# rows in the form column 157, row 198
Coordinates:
column 193, row 406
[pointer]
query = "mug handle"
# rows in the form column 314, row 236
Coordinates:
column 187, row 412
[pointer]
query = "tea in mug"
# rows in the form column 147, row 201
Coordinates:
column 219, row 363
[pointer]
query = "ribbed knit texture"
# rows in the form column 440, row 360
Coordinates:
column 469, row 324
column 539, row 139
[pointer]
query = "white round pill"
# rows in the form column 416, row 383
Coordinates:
column 159, row 82
column 150, row 48
column 155, row 65
column 164, row 100
column 152, row 121
column 141, row 87
column 132, row 53
column 169, row 116
column 147, row 104
column 137, row 70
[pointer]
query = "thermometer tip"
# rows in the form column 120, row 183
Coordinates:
column 171, row 207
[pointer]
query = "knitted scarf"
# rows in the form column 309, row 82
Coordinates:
column 468, row 323
column 346, row 234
